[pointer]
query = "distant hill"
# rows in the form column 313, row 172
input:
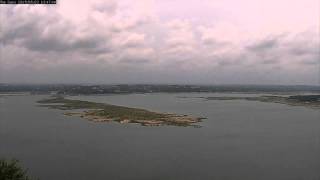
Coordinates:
column 154, row 88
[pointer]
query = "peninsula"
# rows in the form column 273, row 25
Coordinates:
column 100, row 112
column 310, row 101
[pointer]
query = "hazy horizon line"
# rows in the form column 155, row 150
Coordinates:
column 179, row 84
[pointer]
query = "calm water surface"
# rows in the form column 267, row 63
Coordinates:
column 239, row 140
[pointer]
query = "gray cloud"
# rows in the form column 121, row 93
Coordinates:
column 134, row 61
column 109, row 7
column 270, row 61
column 286, row 49
column 116, row 48
column 37, row 34
column 263, row 45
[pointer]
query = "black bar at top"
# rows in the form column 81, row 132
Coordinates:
column 28, row 1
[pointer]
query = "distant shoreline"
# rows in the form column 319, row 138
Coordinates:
column 310, row 101
column 15, row 94
column 153, row 88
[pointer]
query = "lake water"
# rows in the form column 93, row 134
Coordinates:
column 240, row 140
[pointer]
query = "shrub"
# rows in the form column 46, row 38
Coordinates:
column 11, row 170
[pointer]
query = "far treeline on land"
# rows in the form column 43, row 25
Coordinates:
column 152, row 88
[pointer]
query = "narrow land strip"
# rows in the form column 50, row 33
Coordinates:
column 310, row 101
column 100, row 112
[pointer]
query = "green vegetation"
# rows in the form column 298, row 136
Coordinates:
column 11, row 170
column 99, row 112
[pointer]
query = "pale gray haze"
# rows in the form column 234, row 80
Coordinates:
column 161, row 41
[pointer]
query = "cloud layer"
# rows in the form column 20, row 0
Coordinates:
column 152, row 41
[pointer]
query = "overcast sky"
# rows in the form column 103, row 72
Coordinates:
column 161, row 41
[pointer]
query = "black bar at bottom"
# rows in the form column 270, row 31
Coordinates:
column 28, row 1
